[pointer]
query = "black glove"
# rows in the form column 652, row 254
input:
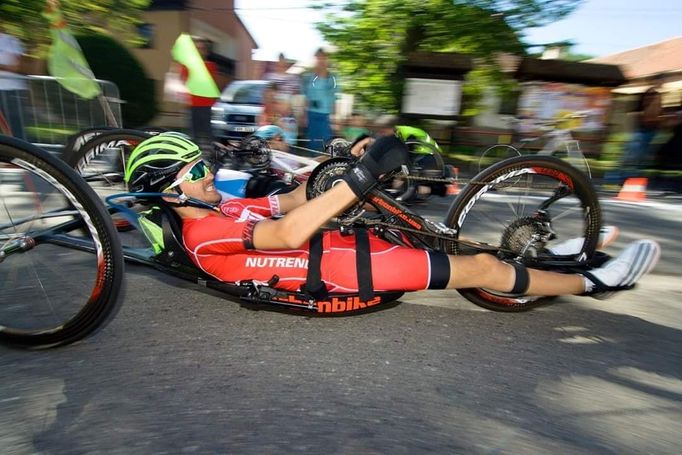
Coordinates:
column 387, row 154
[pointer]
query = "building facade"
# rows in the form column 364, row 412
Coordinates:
column 216, row 20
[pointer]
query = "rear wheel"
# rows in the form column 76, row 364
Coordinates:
column 101, row 162
column 61, row 265
column 522, row 207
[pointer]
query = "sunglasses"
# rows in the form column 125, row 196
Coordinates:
column 198, row 172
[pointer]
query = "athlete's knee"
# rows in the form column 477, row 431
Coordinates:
column 479, row 270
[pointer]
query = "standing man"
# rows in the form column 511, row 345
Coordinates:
column 200, row 106
column 320, row 87
column 12, row 85
column 649, row 115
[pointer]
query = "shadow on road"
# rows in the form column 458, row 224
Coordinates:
column 200, row 377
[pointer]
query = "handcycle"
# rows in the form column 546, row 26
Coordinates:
column 556, row 139
column 61, row 264
column 515, row 210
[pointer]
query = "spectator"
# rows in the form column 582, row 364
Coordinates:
column 648, row 117
column 287, row 120
column 669, row 155
column 355, row 128
column 319, row 87
column 385, row 125
column 270, row 114
column 288, row 84
column 200, row 107
column 12, row 85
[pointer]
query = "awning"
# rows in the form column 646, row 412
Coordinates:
column 593, row 74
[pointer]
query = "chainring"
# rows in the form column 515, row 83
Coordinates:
column 326, row 175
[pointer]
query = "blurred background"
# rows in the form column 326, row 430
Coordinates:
column 471, row 73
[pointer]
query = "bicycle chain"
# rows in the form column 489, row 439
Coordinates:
column 427, row 179
column 452, row 180
column 475, row 245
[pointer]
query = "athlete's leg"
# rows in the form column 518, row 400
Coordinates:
column 486, row 271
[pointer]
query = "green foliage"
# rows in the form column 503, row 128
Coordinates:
column 111, row 61
column 373, row 37
column 24, row 19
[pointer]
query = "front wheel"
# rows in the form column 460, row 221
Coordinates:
column 523, row 208
column 61, row 264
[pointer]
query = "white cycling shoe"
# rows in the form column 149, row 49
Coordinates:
column 623, row 271
column 607, row 235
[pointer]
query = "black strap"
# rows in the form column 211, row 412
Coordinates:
column 363, row 264
column 521, row 280
column 599, row 286
column 314, row 284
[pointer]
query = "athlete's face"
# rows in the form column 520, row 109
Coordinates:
column 202, row 188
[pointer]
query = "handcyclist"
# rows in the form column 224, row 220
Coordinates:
column 256, row 239
column 274, row 135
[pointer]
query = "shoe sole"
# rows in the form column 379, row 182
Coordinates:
column 607, row 235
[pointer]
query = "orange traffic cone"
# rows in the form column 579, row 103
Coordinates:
column 633, row 190
column 453, row 188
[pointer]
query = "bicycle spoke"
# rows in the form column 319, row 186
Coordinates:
column 60, row 259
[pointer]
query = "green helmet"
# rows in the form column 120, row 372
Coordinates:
column 155, row 162
column 424, row 144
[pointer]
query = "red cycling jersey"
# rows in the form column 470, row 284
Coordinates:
column 221, row 245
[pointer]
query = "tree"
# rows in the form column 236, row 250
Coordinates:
column 24, row 19
column 373, row 37
column 110, row 61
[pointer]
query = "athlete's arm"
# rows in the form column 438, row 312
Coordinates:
column 291, row 231
column 293, row 199
column 295, row 228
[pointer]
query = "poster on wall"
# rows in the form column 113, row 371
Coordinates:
column 542, row 101
column 431, row 97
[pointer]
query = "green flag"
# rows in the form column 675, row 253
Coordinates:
column 66, row 61
column 199, row 80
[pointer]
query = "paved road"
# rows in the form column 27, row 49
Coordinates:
column 182, row 370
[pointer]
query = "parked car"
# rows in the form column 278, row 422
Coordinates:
column 235, row 114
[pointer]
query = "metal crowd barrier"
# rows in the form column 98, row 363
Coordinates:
column 39, row 110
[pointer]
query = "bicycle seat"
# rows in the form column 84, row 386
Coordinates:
column 173, row 253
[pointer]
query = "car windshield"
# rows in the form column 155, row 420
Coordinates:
column 244, row 93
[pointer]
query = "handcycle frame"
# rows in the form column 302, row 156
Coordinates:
column 393, row 221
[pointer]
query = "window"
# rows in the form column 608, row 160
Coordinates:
column 146, row 34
